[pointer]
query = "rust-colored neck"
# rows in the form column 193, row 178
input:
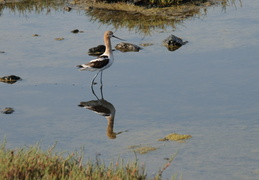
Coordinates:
column 107, row 42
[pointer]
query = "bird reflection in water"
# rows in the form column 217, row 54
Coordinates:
column 103, row 108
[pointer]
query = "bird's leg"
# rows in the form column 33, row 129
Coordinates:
column 101, row 78
column 94, row 78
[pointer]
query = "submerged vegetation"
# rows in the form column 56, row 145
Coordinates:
column 156, row 3
column 25, row 6
column 34, row 163
column 141, row 16
column 147, row 18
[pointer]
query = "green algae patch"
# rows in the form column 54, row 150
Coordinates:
column 176, row 137
column 59, row 39
column 143, row 149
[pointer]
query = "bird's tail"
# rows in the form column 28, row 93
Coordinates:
column 82, row 67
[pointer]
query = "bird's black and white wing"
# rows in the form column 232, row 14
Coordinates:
column 95, row 64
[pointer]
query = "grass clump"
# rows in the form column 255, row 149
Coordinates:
column 32, row 162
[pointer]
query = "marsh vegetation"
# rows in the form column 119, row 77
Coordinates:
column 145, row 19
column 26, row 6
column 143, row 16
column 34, row 163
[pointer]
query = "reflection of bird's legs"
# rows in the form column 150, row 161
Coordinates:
column 94, row 92
column 101, row 87
column 102, row 93
column 101, row 79
column 93, row 84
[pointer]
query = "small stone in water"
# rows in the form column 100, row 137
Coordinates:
column 173, row 43
column 7, row 110
column 96, row 51
column 75, row 31
column 127, row 47
column 10, row 79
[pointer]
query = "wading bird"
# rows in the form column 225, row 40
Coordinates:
column 103, row 61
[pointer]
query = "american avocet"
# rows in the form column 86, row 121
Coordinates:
column 103, row 61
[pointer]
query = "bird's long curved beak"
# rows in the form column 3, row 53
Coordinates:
column 118, row 38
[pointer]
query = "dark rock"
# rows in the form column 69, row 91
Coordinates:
column 7, row 110
column 10, row 79
column 127, row 47
column 173, row 43
column 96, row 51
column 75, row 31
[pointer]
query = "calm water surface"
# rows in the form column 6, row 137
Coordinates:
column 207, row 88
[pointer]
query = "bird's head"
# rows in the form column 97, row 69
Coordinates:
column 109, row 34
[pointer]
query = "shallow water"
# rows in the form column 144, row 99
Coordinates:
column 207, row 88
